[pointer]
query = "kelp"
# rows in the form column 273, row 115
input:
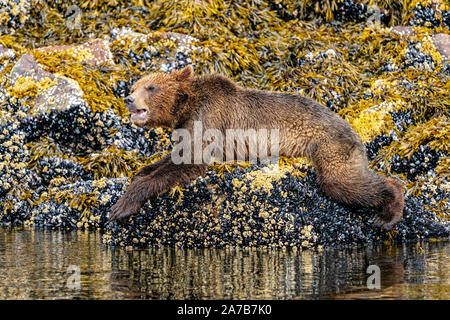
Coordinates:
column 112, row 163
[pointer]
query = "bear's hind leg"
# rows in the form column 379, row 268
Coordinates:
column 345, row 177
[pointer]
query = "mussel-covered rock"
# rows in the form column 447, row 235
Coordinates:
column 68, row 149
column 250, row 208
column 51, row 91
column 79, row 130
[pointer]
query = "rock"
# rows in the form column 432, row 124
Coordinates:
column 442, row 43
column 95, row 52
column 65, row 93
column 285, row 211
column 127, row 33
column 180, row 38
column 60, row 94
column 177, row 48
column 403, row 30
column 28, row 67
column 6, row 53
column 66, row 168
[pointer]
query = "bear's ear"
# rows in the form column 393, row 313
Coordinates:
column 183, row 75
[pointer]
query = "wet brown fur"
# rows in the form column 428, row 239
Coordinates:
column 307, row 129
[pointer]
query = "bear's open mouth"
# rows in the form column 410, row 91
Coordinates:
column 138, row 114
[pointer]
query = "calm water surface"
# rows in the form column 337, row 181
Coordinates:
column 34, row 265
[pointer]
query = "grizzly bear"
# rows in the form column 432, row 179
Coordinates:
column 306, row 129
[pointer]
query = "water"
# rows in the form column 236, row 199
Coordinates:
column 34, row 265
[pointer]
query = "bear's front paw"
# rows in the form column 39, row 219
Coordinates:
column 123, row 209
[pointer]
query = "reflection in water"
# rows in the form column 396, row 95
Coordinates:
column 33, row 265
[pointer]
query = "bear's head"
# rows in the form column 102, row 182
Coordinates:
column 155, row 99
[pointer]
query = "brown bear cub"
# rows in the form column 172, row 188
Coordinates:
column 306, row 129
